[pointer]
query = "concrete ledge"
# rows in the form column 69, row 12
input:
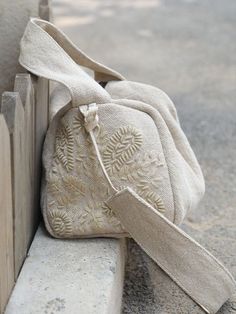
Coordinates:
column 70, row 276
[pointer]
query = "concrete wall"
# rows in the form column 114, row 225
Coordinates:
column 13, row 19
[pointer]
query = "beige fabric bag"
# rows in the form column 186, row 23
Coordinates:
column 117, row 163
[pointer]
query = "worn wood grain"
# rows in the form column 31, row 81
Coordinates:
column 45, row 9
column 24, row 87
column 27, row 121
column 6, row 219
column 14, row 114
column 41, row 86
column 22, row 130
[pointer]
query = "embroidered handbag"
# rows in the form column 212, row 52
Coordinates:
column 117, row 163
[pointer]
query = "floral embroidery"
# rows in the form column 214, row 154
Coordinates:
column 64, row 200
column 100, row 134
column 78, row 122
column 107, row 210
column 86, row 185
column 121, row 148
column 65, row 146
column 60, row 223
column 91, row 216
column 142, row 168
column 153, row 199
column 54, row 185
column 73, row 184
column 65, row 190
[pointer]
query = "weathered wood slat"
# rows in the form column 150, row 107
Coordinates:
column 27, row 126
column 6, row 232
column 41, row 87
column 45, row 9
column 14, row 114
column 24, row 87
column 22, row 130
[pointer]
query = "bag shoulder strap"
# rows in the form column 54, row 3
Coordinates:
column 191, row 266
column 47, row 52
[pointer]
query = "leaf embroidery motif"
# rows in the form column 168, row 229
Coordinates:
column 142, row 171
column 99, row 132
column 73, row 184
column 107, row 210
column 78, row 122
column 60, row 223
column 91, row 216
column 86, row 185
column 153, row 199
column 54, row 186
column 121, row 148
column 64, row 200
column 64, row 147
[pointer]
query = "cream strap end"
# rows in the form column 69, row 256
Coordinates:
column 47, row 52
column 191, row 266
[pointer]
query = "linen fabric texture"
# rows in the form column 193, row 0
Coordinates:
column 137, row 145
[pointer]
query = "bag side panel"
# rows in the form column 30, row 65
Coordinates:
column 74, row 189
column 185, row 173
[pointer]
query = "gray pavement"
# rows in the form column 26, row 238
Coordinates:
column 188, row 49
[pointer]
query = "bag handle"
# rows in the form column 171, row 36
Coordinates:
column 47, row 52
column 191, row 266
